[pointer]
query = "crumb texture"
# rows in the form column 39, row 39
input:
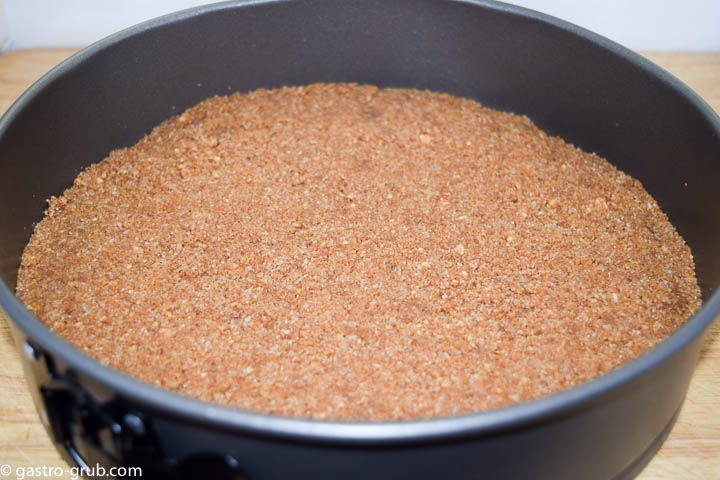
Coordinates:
column 348, row 252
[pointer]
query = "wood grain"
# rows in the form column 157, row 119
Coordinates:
column 692, row 450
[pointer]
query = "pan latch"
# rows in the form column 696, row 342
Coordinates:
column 92, row 435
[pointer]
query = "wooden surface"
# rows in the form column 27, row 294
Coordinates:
column 691, row 452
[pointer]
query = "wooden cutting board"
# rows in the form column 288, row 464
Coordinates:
column 691, row 452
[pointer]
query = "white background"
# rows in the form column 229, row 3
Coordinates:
column 637, row 24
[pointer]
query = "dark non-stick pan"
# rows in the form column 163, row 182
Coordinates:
column 571, row 82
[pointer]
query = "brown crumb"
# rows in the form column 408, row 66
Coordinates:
column 210, row 142
column 601, row 203
column 347, row 252
column 426, row 139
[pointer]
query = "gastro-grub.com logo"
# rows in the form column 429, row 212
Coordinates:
column 75, row 473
